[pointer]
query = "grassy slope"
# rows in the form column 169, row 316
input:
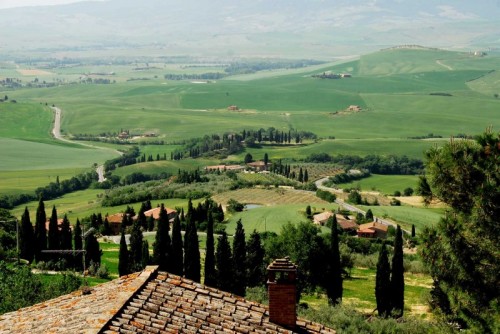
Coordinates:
column 386, row 184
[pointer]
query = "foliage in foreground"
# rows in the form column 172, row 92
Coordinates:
column 346, row 320
column 19, row 287
column 462, row 250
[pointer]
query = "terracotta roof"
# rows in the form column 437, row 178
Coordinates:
column 322, row 217
column 155, row 212
column 76, row 312
column 374, row 225
column 149, row 302
column 116, row 218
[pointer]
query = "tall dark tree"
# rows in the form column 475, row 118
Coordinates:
column 308, row 212
column 162, row 246
column 78, row 245
column 248, row 158
column 306, row 176
column 65, row 234
column 266, row 159
column 192, row 266
column 224, row 263
column 413, row 230
column 123, row 256
column 40, row 231
column 397, row 276
column 93, row 252
column 369, row 215
column 383, row 283
column 255, row 260
column 177, row 251
column 301, row 175
column 210, row 272
column 53, row 238
column 145, row 254
column 141, row 217
column 461, row 251
column 136, row 247
column 26, row 237
column 334, row 283
column 239, row 260
column 105, row 228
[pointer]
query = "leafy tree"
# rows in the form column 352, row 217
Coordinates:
column 255, row 261
column 354, row 197
column 408, row 191
column 162, row 245
column 192, row 265
column 53, row 230
column 462, row 250
column 383, row 283
column 397, row 276
column 234, row 206
column 26, row 237
column 177, row 251
column 136, row 247
column 78, row 244
column 239, row 260
column 224, row 262
column 210, row 272
column 248, row 158
column 40, row 232
column 123, row 256
column 334, row 279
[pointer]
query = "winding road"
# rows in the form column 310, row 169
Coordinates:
column 56, row 132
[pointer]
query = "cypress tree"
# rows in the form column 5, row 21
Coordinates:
column 151, row 223
column 224, row 263
column 192, row 265
column 369, row 215
column 93, row 252
column 141, row 217
column 334, row 283
column 26, row 237
column 162, row 245
column 382, row 283
column 136, row 247
column 65, row 234
column 123, row 256
column 301, row 175
column 105, row 228
column 397, row 276
column 239, row 260
column 210, row 272
column 40, row 231
column 78, row 244
column 177, row 251
column 255, row 260
column 53, row 230
column 308, row 212
column 145, row 253
column 306, row 175
column 413, row 230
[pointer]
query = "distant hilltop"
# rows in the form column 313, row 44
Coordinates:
column 411, row 46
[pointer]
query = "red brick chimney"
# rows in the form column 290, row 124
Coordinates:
column 281, row 277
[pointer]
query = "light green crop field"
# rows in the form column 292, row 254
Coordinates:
column 270, row 218
column 25, row 181
column 385, row 184
column 406, row 215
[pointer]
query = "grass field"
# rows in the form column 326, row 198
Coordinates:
column 385, row 184
column 408, row 215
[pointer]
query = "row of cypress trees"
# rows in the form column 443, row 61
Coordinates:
column 32, row 241
column 389, row 282
column 228, row 268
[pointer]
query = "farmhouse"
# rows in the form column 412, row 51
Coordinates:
column 258, row 166
column 115, row 222
column 322, row 218
column 345, row 223
column 372, row 230
column 155, row 213
column 354, row 108
column 233, row 108
column 154, row 301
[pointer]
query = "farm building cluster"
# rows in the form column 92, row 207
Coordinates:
column 373, row 229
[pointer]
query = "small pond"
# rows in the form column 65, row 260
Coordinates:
column 252, row 206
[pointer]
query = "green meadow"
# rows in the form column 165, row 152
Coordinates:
column 396, row 90
column 385, row 184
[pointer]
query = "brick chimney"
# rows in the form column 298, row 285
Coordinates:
column 281, row 285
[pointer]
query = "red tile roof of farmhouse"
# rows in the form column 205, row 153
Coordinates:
column 149, row 302
column 155, row 212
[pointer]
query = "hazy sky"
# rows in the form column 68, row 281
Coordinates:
column 22, row 3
